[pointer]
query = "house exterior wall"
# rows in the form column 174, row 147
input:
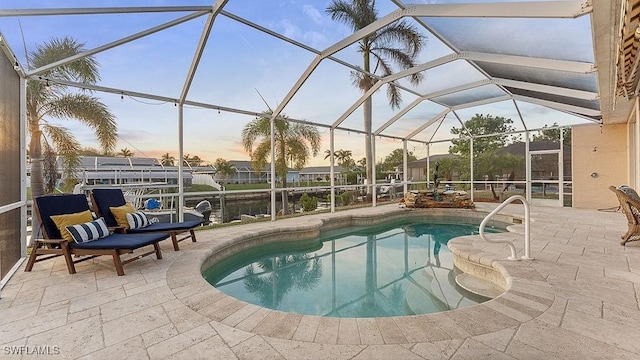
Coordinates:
column 603, row 153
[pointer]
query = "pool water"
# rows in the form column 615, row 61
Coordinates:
column 391, row 270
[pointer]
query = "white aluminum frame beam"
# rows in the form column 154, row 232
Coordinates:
column 559, row 106
column 397, row 116
column 100, row 10
column 555, row 90
column 118, row 42
column 427, row 124
column 215, row 10
column 541, row 63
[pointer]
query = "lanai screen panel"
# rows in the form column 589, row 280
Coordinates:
column 471, row 95
column 9, row 165
column 589, row 104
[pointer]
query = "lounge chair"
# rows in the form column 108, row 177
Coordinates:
column 630, row 205
column 104, row 199
column 52, row 208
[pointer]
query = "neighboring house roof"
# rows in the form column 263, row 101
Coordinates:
column 421, row 163
column 310, row 170
column 518, row 148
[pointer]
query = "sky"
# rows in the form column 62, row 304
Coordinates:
column 241, row 65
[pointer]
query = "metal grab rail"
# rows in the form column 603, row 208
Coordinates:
column 527, row 232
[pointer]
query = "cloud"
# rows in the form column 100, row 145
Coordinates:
column 288, row 29
column 315, row 39
column 312, row 13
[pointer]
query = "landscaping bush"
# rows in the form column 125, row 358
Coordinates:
column 308, row 203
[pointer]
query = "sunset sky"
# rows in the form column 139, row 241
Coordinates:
column 239, row 63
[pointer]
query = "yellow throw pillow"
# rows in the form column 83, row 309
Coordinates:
column 62, row 221
column 120, row 213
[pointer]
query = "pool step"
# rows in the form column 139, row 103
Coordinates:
column 478, row 286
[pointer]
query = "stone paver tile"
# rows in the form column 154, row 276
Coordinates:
column 287, row 327
column 81, row 315
column 385, row 352
column 596, row 276
column 391, row 333
column 449, row 325
column 620, row 336
column 621, row 315
column 523, row 351
column 566, row 344
column 622, row 275
column 565, row 249
column 256, row 348
column 615, row 262
column 472, row 350
column 135, row 303
column 185, row 319
column 438, row 350
column 348, row 332
column 307, row 328
column 369, row 331
column 159, row 334
column 94, row 299
column 222, row 308
column 182, row 341
column 241, row 314
column 328, row 329
column 253, row 320
column 295, row 350
column 65, row 291
column 134, row 324
column 136, row 288
column 271, row 323
column 32, row 325
column 586, row 305
column 231, row 336
column 132, row 349
column 211, row 348
column 569, row 290
column 512, row 312
column 420, row 329
column 497, row 339
column 107, row 280
column 463, row 319
column 554, row 314
column 18, row 312
column 73, row 340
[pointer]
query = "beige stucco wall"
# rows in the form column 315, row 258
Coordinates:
column 601, row 151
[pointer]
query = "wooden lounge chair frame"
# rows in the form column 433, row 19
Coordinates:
column 117, row 199
column 631, row 209
column 53, row 246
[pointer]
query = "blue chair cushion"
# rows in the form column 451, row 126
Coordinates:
column 103, row 199
column 121, row 241
column 186, row 225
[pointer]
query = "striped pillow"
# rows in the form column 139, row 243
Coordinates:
column 137, row 220
column 88, row 231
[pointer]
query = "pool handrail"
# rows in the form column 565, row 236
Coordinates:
column 527, row 231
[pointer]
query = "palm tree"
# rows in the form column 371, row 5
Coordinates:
column 167, row 160
column 399, row 44
column 292, row 143
column 343, row 157
column 51, row 100
column 224, row 168
column 125, row 153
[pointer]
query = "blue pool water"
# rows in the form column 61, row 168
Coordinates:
column 391, row 270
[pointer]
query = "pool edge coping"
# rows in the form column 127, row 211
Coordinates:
column 527, row 294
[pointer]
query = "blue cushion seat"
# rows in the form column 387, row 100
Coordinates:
column 121, row 241
column 185, row 225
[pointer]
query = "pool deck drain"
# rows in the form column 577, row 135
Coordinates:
column 578, row 299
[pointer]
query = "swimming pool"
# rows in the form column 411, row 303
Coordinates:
column 393, row 269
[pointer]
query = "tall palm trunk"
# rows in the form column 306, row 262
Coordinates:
column 35, row 153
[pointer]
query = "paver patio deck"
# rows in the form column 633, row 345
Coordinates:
column 577, row 300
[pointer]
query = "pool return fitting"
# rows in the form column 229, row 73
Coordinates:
column 527, row 230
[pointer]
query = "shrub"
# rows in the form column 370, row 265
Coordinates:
column 345, row 198
column 309, row 203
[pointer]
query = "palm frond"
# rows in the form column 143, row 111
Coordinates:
column 66, row 146
column 82, row 70
column 90, row 111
